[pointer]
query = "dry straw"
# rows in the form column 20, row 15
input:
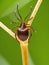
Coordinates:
column 23, row 44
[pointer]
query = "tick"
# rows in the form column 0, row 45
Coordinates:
column 24, row 29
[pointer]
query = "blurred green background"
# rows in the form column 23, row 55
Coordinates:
column 10, row 51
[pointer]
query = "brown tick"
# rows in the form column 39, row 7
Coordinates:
column 23, row 30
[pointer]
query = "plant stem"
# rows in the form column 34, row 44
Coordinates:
column 24, row 51
column 35, row 11
column 7, row 29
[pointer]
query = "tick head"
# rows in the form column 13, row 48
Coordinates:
column 23, row 25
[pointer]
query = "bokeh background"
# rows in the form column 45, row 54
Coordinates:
column 10, row 51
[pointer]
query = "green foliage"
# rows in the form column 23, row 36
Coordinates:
column 39, row 42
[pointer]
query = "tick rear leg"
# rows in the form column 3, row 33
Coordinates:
column 15, row 27
column 31, row 31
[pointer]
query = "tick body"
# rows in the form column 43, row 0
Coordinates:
column 23, row 32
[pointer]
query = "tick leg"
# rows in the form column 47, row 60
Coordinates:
column 30, row 33
column 32, row 29
column 16, row 16
column 28, row 14
column 20, row 19
column 15, row 28
column 30, row 19
column 19, row 13
column 13, row 22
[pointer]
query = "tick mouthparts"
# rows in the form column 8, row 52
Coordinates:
column 23, row 25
